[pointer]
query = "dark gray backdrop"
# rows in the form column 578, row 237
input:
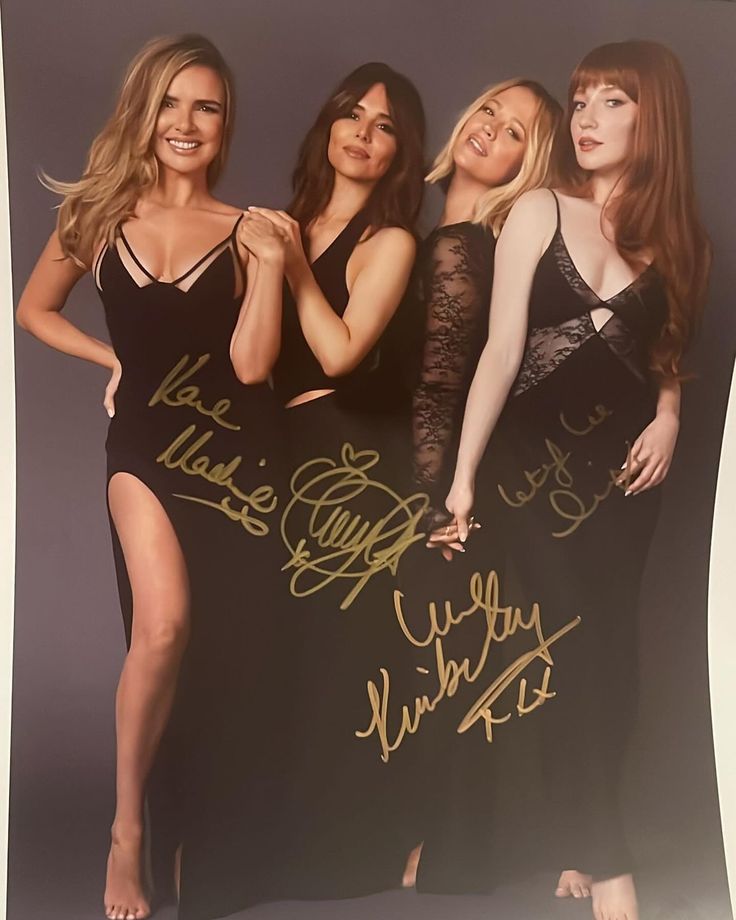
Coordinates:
column 63, row 64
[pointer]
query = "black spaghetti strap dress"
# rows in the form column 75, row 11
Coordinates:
column 539, row 729
column 207, row 448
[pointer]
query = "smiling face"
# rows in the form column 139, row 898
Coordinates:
column 189, row 128
column 490, row 148
column 363, row 144
column 602, row 126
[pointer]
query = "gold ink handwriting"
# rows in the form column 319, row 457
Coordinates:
column 502, row 622
column 571, row 507
column 171, row 392
column 356, row 548
column 537, row 478
column 484, row 702
column 600, row 415
column 180, row 455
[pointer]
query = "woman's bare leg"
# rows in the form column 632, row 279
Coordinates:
column 147, row 684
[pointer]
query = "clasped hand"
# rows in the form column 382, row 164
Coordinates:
column 451, row 536
column 272, row 235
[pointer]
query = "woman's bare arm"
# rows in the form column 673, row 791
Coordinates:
column 652, row 452
column 41, row 303
column 378, row 273
column 380, row 279
column 256, row 341
column 522, row 241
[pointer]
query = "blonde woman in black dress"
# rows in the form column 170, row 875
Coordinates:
column 169, row 261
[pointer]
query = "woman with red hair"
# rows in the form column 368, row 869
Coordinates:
column 598, row 287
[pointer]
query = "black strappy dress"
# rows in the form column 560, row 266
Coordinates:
column 207, row 448
column 533, row 780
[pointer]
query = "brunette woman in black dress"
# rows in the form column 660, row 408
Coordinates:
column 338, row 262
column 597, row 288
column 169, row 261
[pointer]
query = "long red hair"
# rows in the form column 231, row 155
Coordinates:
column 654, row 209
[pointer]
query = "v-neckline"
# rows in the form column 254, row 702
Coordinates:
column 177, row 281
column 601, row 300
column 332, row 243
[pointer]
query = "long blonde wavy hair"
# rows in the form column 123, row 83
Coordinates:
column 492, row 208
column 121, row 164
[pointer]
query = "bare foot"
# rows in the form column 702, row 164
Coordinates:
column 124, row 898
column 409, row 878
column 615, row 899
column 573, row 883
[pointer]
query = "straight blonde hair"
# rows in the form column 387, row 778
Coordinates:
column 492, row 208
column 121, row 164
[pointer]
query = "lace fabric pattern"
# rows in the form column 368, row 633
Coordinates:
column 547, row 347
column 455, row 284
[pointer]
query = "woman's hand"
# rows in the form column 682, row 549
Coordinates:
column 460, row 503
column 651, row 454
column 295, row 258
column 445, row 538
column 262, row 238
column 112, row 387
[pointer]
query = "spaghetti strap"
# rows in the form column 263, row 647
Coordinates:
column 133, row 256
column 557, row 205
column 98, row 261
column 230, row 237
column 213, row 249
column 235, row 227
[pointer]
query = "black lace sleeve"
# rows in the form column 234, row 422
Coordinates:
column 455, row 278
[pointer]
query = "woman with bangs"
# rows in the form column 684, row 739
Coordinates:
column 598, row 288
column 337, row 262
column 345, row 246
column 169, row 262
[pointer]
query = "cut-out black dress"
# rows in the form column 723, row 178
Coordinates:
column 206, row 447
column 538, row 729
column 327, row 818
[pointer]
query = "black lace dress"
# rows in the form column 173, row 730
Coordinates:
column 454, row 277
column 454, row 273
column 540, row 715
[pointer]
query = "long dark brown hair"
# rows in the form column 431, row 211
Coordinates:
column 397, row 196
column 654, row 208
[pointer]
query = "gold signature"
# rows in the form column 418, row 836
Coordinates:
column 502, row 622
column 600, row 414
column 356, row 548
column 180, row 455
column 537, row 478
column 171, row 392
column 564, row 500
